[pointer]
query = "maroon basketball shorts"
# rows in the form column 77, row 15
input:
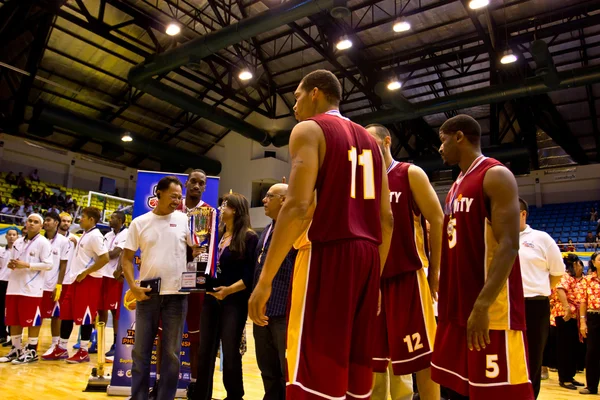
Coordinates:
column 333, row 306
column 498, row 372
column 405, row 328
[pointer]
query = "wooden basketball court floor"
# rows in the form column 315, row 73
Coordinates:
column 58, row 380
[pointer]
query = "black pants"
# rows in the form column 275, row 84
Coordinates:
column 270, row 342
column 537, row 314
column 550, row 350
column 221, row 321
column 3, row 286
column 567, row 337
column 592, row 360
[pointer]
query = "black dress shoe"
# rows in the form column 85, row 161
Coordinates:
column 567, row 385
column 7, row 344
column 574, row 382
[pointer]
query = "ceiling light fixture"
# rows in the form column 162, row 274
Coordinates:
column 344, row 43
column 126, row 137
column 508, row 58
column 172, row 29
column 477, row 4
column 401, row 26
column 245, row 75
column 394, row 85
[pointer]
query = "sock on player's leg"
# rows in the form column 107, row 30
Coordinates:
column 55, row 340
column 62, row 343
column 16, row 342
column 32, row 343
column 84, row 344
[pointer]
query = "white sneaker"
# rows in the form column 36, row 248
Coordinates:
column 26, row 357
column 12, row 355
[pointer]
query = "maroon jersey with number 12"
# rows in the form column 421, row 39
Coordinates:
column 348, row 184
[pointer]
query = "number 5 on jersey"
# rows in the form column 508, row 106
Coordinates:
column 365, row 160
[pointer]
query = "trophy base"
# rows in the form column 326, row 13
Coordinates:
column 195, row 281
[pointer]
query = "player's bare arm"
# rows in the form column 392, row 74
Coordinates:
column 305, row 152
column 127, row 263
column 100, row 262
column 386, row 217
column 429, row 204
column 500, row 188
column 114, row 253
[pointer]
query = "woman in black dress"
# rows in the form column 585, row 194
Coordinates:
column 225, row 311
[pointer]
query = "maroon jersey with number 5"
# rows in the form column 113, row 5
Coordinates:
column 348, row 184
column 467, row 253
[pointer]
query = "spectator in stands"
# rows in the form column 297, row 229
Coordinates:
column 117, row 192
column 34, row 175
column 570, row 246
column 21, row 179
column 11, row 178
column 597, row 242
column 561, row 245
column 590, row 241
column 593, row 215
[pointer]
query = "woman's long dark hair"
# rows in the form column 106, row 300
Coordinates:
column 241, row 223
column 591, row 265
column 570, row 261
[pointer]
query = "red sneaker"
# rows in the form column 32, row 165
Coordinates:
column 79, row 357
column 57, row 353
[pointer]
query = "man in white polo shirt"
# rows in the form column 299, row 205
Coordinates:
column 162, row 235
column 31, row 257
column 541, row 269
column 60, row 257
column 79, row 304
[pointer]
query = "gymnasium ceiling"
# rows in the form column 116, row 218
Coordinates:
column 77, row 54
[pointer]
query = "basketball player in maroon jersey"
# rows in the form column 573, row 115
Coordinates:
column 405, row 335
column 335, row 288
column 480, row 347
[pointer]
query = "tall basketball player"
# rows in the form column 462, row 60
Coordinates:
column 335, row 288
column 480, row 347
column 405, row 335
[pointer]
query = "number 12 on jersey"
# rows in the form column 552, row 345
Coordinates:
column 365, row 160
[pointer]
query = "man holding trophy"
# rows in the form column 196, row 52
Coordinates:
column 202, row 219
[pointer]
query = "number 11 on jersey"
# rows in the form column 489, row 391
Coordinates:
column 365, row 160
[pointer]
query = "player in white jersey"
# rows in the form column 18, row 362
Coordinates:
column 11, row 236
column 31, row 257
column 60, row 257
column 79, row 304
column 112, row 275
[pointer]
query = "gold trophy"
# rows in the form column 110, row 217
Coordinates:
column 202, row 222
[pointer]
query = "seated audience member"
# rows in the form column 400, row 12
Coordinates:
column 11, row 178
column 570, row 246
column 561, row 245
column 593, row 215
column 590, row 241
column 34, row 175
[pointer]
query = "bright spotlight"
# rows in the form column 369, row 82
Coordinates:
column 343, row 44
column 476, row 4
column 126, row 137
column 394, row 85
column 173, row 29
column 508, row 58
column 245, row 75
column 401, row 26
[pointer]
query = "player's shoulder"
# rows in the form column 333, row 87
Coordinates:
column 306, row 131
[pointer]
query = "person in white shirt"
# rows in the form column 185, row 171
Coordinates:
column 112, row 279
column 162, row 236
column 12, row 234
column 79, row 304
column 541, row 269
column 60, row 257
column 31, row 257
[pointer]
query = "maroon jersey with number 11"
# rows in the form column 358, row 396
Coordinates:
column 348, row 184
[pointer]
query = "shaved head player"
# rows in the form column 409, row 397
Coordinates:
column 404, row 335
column 480, row 349
column 335, row 288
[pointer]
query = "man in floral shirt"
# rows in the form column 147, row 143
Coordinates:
column 590, row 324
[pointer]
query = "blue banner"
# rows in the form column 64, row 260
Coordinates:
column 145, row 201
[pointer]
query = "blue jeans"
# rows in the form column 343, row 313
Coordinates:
column 171, row 311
